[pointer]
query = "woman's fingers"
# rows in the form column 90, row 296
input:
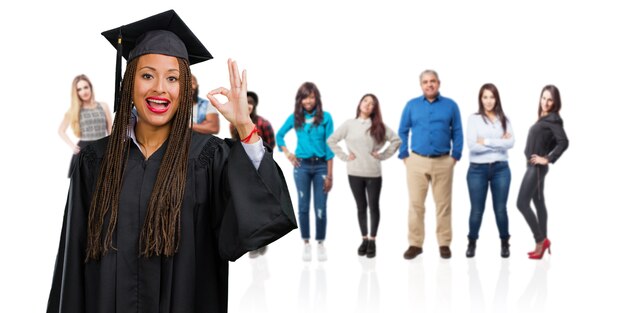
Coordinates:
column 217, row 91
column 235, row 80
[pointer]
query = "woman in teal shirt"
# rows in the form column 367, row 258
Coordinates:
column 313, row 162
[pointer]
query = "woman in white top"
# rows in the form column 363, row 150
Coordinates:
column 365, row 135
column 489, row 136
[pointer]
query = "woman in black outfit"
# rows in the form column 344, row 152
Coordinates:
column 545, row 144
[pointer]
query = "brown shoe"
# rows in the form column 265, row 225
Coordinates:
column 412, row 252
column 445, row 252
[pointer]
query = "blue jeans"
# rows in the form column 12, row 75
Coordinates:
column 311, row 172
column 480, row 177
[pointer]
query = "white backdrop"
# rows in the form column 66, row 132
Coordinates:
column 349, row 48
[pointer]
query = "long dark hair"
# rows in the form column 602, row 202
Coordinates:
column 255, row 99
column 303, row 92
column 497, row 108
column 255, row 118
column 377, row 130
column 161, row 229
column 556, row 100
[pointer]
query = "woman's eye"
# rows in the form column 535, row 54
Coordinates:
column 172, row 79
column 146, row 76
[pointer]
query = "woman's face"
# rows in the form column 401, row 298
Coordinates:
column 308, row 103
column 157, row 89
column 366, row 106
column 84, row 91
column 488, row 100
column 546, row 101
column 250, row 105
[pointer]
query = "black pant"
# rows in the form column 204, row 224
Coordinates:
column 532, row 188
column 371, row 185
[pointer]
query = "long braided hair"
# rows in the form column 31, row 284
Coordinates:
column 160, row 233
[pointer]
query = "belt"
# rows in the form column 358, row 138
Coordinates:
column 432, row 156
column 313, row 159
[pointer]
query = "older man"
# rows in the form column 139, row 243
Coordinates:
column 434, row 123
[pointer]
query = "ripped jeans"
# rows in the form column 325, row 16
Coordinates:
column 311, row 173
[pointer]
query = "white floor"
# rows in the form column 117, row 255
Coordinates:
column 281, row 282
column 584, row 273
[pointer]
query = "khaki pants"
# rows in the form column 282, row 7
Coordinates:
column 420, row 172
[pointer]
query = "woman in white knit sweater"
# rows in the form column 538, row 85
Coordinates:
column 365, row 136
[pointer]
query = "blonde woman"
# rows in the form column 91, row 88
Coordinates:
column 90, row 120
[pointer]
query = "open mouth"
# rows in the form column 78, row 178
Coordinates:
column 158, row 105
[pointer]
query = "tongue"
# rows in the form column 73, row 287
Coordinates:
column 157, row 105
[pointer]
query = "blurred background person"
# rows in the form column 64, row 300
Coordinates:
column 89, row 119
column 264, row 126
column 266, row 132
column 205, row 118
column 365, row 135
column 489, row 137
column 312, row 163
column 545, row 144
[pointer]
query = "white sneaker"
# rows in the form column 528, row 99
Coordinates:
column 306, row 254
column 321, row 253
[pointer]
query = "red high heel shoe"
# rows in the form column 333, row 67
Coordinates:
column 544, row 246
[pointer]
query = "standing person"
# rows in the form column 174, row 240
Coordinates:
column 546, row 142
column 365, row 136
column 264, row 126
column 312, row 163
column 436, row 144
column 489, row 137
column 266, row 132
column 155, row 210
column 90, row 119
column 204, row 115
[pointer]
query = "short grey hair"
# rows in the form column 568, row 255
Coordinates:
column 429, row 72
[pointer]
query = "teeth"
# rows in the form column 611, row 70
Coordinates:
column 158, row 101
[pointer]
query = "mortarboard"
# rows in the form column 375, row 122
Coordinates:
column 164, row 33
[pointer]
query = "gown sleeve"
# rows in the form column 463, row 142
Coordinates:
column 253, row 206
column 68, row 291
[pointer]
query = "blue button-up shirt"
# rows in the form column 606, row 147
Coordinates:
column 435, row 127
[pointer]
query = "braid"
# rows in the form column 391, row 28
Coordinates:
column 161, row 230
column 160, row 233
column 109, row 182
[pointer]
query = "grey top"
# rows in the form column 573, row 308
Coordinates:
column 93, row 123
column 355, row 132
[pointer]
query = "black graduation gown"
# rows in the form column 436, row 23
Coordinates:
column 229, row 208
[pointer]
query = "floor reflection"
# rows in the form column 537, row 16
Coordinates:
column 312, row 299
column 254, row 299
column 535, row 296
column 368, row 299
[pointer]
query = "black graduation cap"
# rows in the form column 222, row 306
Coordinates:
column 164, row 33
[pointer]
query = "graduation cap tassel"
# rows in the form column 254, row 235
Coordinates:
column 118, row 72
